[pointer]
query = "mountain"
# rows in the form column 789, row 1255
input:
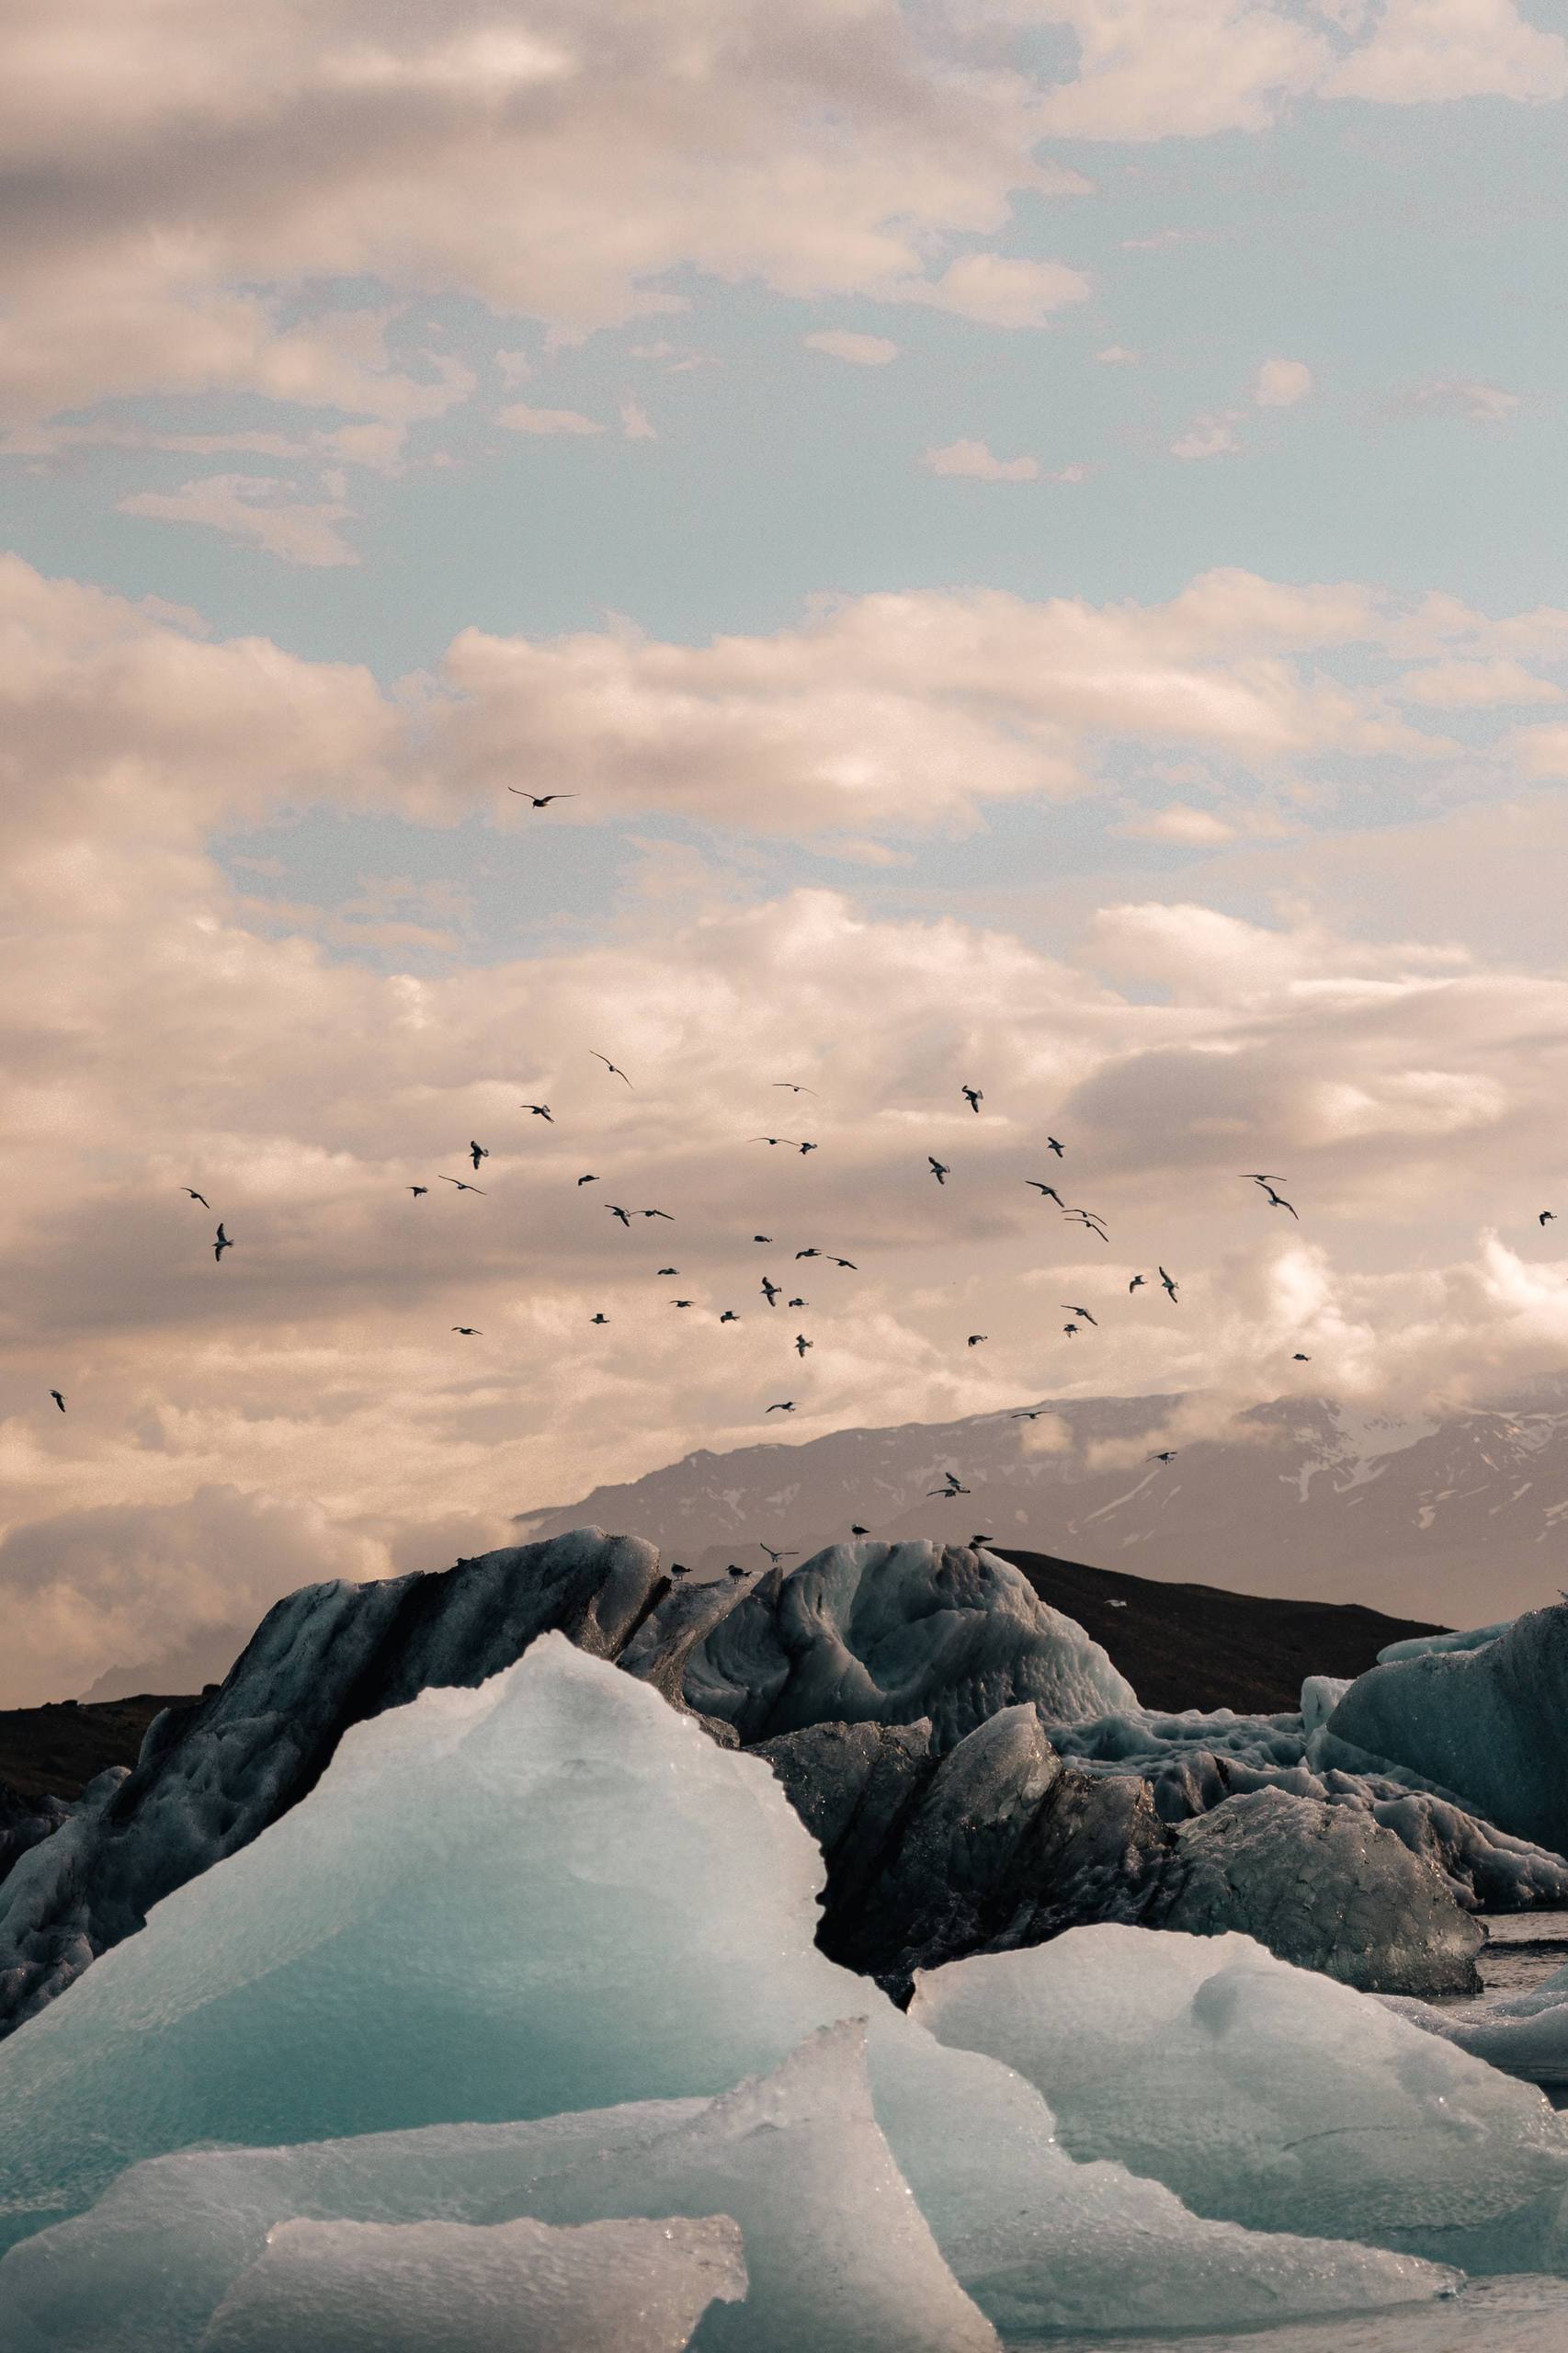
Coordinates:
column 1457, row 1519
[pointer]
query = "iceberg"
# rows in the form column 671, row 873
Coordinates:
column 502, row 1908
column 1524, row 2034
column 1268, row 2094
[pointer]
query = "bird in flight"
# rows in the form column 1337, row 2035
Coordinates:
column 460, row 1185
column 1136, row 1284
column 1300, row 1359
column 975, row 1339
column 1049, row 1191
column 799, row 1302
column 952, row 1487
column 1071, row 1330
column 1168, row 1284
column 664, row 1213
column 805, row 1147
column 680, row 1302
column 587, row 1180
column 785, row 1405
column 58, row 1399
column 220, row 1244
column 729, row 1316
column 1081, row 1312
column 790, row 1083
column 417, row 1190
column 762, row 1237
column 832, row 1261
column 802, row 1344
column 1168, row 1454
column 615, row 1211
column 1546, row 1217
column 1052, row 1146
column 614, row 1068
column 972, row 1097
column 1279, row 1202
column 598, row 1319
column 812, row 1253
column 539, row 1110
column 669, row 1270
column 469, row 1331
column 477, row 1152
column 542, row 799
column 1258, row 1177
column 1086, row 1217
column 776, row 1557
column 196, row 1196
column 770, row 1289
column 939, row 1170
column 773, row 1140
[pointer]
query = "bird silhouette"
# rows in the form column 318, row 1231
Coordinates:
column 1136, row 1284
column 1071, row 1330
column 975, row 1339
column 1049, row 1192
column 1052, row 1146
column 762, row 1237
column 664, row 1213
column 858, row 1531
column 799, row 1302
column 802, row 1344
column 776, row 1557
column 1087, row 1218
column 680, row 1302
column 1259, row 1178
column 811, row 1252
column 587, row 1180
column 1168, row 1454
column 679, row 1569
column 952, row 1487
column 1081, row 1312
column 669, row 1270
column 773, row 1140
column 469, row 1331
column 794, row 1088
column 785, row 1405
column 220, row 1244
column 614, row 1068
column 939, row 1169
column 736, row 1570
column 542, row 799
column 461, row 1185
column 804, row 1148
column 616, row 1210
column 539, row 1110
column 196, row 1196
column 975, row 1542
column 598, row 1319
column 1279, row 1202
column 418, row 1190
column 477, row 1152
column 58, row 1399
column 1027, row 1413
column 1546, row 1217
column 770, row 1289
column 1169, row 1285
column 849, row 1262
column 729, row 1316
column 1300, row 1359
column 972, row 1097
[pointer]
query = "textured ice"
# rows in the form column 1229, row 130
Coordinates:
column 553, row 1894
column 1486, row 1724
column 1471, row 1638
column 450, row 2288
column 891, row 1634
column 1321, row 1694
column 1525, row 2034
column 1268, row 2094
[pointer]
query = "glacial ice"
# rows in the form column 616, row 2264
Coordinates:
column 1524, row 2034
column 512, row 1904
column 1321, row 1694
column 1470, row 1638
column 1268, row 2094
column 1484, row 1723
column 443, row 2287
column 890, row 1633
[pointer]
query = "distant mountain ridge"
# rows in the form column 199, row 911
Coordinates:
column 1452, row 1520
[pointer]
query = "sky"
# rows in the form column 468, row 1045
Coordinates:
column 1031, row 530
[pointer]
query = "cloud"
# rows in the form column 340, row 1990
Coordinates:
column 1474, row 686
column 999, row 292
column 520, row 418
column 860, row 350
column 634, row 423
column 1147, row 71
column 974, row 460
column 1427, row 50
column 249, row 508
column 1178, row 822
column 1281, row 383
column 1209, row 436
column 1118, row 355
column 1471, row 404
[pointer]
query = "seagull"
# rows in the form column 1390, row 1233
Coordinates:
column 477, row 1152
column 220, row 1244
column 418, row 1189
column 1027, row 1413
column 805, row 1147
column 729, row 1316
column 1136, row 1284
column 542, row 799
column 792, row 1087
column 1169, row 1285
column 857, row 1529
column 469, row 1331
column 1049, row 1191
column 813, row 1253
column 1116, row 1605
column 1167, row 1455
column 1546, row 1217
column 58, row 1399
column 972, row 1097
column 669, row 1270
column 1081, row 1312
column 587, row 1180
column 736, row 1570
column 598, row 1319
column 785, row 1405
column 1258, row 1177
column 1279, row 1202
column 614, row 1068
column 939, row 1170
column 832, row 1261
column 975, row 1542
column 679, row 1569
column 680, row 1302
column 799, row 1302
column 975, row 1339
column 615, row 1211
column 770, row 1289
column 1069, row 1329
column 802, row 1344
column 790, row 1140
column 1086, row 1217
column 1055, row 1146
column 539, row 1110
column 776, row 1557
column 952, row 1487
column 196, row 1196
column 462, row 1187
column 762, row 1237
column 664, row 1213
column 1300, row 1359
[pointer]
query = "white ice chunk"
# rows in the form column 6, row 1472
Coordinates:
column 1470, row 1638
column 1525, row 2034
column 1321, row 1694
column 507, row 2287
column 1266, row 2093
column 552, row 1894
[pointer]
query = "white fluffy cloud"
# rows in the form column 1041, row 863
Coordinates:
column 860, row 351
column 979, row 464
column 1281, row 383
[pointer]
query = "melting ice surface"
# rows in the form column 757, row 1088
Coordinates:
column 542, row 1951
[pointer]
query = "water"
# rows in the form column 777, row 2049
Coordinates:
column 1522, row 2313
